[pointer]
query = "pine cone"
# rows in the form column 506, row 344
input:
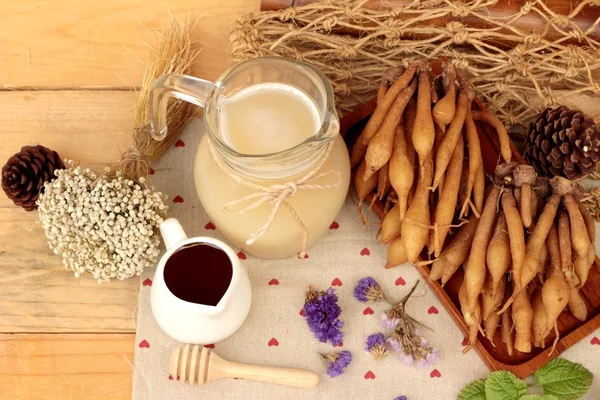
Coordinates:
column 562, row 142
column 24, row 174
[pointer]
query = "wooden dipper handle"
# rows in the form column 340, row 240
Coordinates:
column 201, row 365
column 300, row 378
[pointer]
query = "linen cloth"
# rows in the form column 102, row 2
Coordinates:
column 275, row 334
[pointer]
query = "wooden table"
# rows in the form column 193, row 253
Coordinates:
column 67, row 70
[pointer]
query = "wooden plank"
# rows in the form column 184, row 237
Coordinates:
column 93, row 127
column 63, row 367
column 38, row 295
column 87, row 43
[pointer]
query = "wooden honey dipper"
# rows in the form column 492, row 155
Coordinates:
column 203, row 365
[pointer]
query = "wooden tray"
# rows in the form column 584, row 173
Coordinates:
column 496, row 358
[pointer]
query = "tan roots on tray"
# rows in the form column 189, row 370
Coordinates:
column 526, row 243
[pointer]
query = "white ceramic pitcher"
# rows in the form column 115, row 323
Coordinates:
column 198, row 323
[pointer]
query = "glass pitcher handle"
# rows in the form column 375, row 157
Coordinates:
column 183, row 87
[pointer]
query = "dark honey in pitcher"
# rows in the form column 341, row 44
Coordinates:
column 198, row 273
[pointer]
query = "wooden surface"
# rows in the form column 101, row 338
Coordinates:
column 67, row 69
column 66, row 366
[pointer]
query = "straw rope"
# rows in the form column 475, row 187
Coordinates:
column 174, row 54
column 509, row 66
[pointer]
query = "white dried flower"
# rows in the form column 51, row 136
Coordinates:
column 108, row 229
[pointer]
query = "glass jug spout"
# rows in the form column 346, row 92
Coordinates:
column 187, row 88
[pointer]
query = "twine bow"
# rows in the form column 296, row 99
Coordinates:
column 277, row 195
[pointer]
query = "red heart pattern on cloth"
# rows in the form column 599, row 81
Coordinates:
column 595, row 341
column 170, row 377
column 465, row 342
column 147, row 282
column 177, row 199
column 336, row 282
column 301, row 312
column 144, row 344
column 273, row 282
column 241, row 255
column 180, row 143
column 368, row 311
column 273, row 342
column 400, row 281
column 369, row 375
column 365, row 252
column 432, row 310
column 210, row 226
column 334, row 225
column 151, row 171
column 435, row 374
column 209, row 346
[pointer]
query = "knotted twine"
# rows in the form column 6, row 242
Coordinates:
column 516, row 72
column 277, row 194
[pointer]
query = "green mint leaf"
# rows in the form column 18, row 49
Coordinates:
column 502, row 385
column 539, row 397
column 564, row 379
column 473, row 391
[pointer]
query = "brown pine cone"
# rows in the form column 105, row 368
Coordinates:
column 24, row 174
column 562, row 142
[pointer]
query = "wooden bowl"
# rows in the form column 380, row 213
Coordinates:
column 496, row 358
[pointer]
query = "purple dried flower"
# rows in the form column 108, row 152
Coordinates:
column 321, row 312
column 368, row 290
column 411, row 347
column 337, row 362
column 395, row 343
column 375, row 339
column 433, row 357
column 406, row 359
column 376, row 345
column 390, row 318
column 401, row 398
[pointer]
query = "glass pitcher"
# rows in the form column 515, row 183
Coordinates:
column 272, row 171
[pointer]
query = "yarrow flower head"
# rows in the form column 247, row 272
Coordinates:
column 377, row 346
column 337, row 362
column 412, row 348
column 321, row 313
column 368, row 290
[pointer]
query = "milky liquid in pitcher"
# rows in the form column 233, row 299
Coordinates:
column 263, row 119
column 268, row 118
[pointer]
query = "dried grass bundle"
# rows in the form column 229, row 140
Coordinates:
column 174, row 54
